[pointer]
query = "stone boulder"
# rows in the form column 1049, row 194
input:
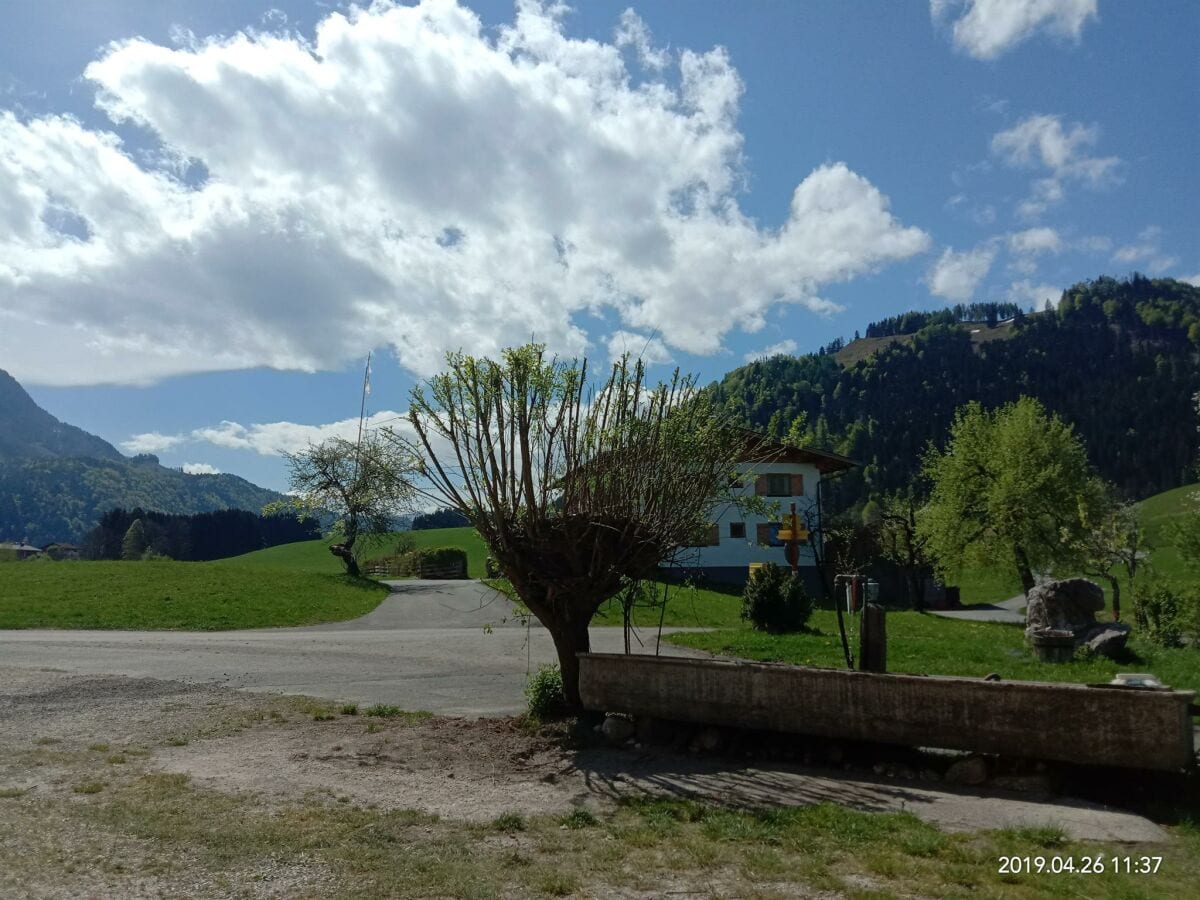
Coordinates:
column 1106, row 639
column 1068, row 605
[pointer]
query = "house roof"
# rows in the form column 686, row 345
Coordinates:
column 760, row 448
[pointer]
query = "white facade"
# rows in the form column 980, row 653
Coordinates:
column 776, row 484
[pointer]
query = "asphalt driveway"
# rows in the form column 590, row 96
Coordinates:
column 451, row 647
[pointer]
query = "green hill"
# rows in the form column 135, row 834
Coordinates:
column 56, row 480
column 314, row 556
column 1156, row 513
column 1119, row 360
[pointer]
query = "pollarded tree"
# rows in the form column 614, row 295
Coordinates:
column 1012, row 487
column 578, row 490
column 366, row 485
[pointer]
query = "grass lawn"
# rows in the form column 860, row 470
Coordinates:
column 314, row 556
column 200, row 596
column 924, row 644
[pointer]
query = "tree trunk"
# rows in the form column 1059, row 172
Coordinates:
column 1116, row 597
column 1023, row 569
column 570, row 639
column 346, row 555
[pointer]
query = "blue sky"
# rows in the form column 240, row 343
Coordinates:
column 206, row 225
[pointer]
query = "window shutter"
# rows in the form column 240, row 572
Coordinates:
column 714, row 535
column 762, row 485
column 797, row 485
column 763, row 533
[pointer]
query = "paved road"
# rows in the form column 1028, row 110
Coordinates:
column 1011, row 610
column 427, row 646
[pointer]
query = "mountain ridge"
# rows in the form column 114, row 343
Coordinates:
column 56, row 479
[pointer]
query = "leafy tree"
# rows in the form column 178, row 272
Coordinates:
column 440, row 518
column 134, row 544
column 366, row 485
column 1012, row 487
column 1112, row 541
column 902, row 543
column 578, row 490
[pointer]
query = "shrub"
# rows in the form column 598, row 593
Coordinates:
column 544, row 693
column 1161, row 614
column 775, row 601
column 430, row 562
column 491, row 567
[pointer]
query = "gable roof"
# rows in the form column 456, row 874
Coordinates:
column 760, row 448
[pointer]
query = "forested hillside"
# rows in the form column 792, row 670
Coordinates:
column 56, row 480
column 1117, row 359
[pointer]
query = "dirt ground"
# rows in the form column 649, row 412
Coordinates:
column 114, row 786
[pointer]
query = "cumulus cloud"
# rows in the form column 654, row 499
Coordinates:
column 151, row 442
column 956, row 275
column 783, row 347
column 639, row 346
column 1027, row 293
column 1043, row 141
column 985, row 29
column 1034, row 241
column 1146, row 251
column 1193, row 280
column 200, row 469
column 278, row 438
column 409, row 178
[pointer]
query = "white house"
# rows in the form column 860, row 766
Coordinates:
column 781, row 475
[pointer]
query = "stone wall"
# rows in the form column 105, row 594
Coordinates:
column 1073, row 723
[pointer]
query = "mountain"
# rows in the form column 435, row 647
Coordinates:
column 56, row 480
column 28, row 431
column 1118, row 359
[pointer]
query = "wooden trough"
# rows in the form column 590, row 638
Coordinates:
column 1090, row 725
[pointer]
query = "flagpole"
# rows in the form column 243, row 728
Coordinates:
column 362, row 412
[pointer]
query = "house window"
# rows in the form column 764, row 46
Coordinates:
column 706, row 536
column 737, row 530
column 768, row 534
column 779, row 484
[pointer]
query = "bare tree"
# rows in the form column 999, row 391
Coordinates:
column 365, row 484
column 578, row 490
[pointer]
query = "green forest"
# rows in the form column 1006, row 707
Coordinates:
column 1117, row 359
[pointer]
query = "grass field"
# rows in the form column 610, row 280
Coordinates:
column 314, row 556
column 924, row 644
column 200, row 596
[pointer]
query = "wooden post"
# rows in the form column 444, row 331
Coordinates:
column 872, row 641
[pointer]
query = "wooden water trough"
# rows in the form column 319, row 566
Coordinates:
column 1083, row 724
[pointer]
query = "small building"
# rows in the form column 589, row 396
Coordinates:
column 22, row 550
column 780, row 474
column 61, row 551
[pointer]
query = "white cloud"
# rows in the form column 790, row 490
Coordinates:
column 649, row 349
column 1033, row 241
column 151, row 442
column 1146, row 251
column 1027, row 293
column 633, row 32
column 985, row 29
column 1042, row 141
column 278, row 438
column 956, row 275
column 1094, row 243
column 200, row 469
column 783, row 347
column 326, row 175
column 1193, row 280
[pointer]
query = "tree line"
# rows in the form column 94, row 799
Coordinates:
column 134, row 533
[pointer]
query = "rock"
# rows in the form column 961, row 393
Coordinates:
column 1030, row 784
column 972, row 770
column 1068, row 605
column 617, row 730
column 1107, row 639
